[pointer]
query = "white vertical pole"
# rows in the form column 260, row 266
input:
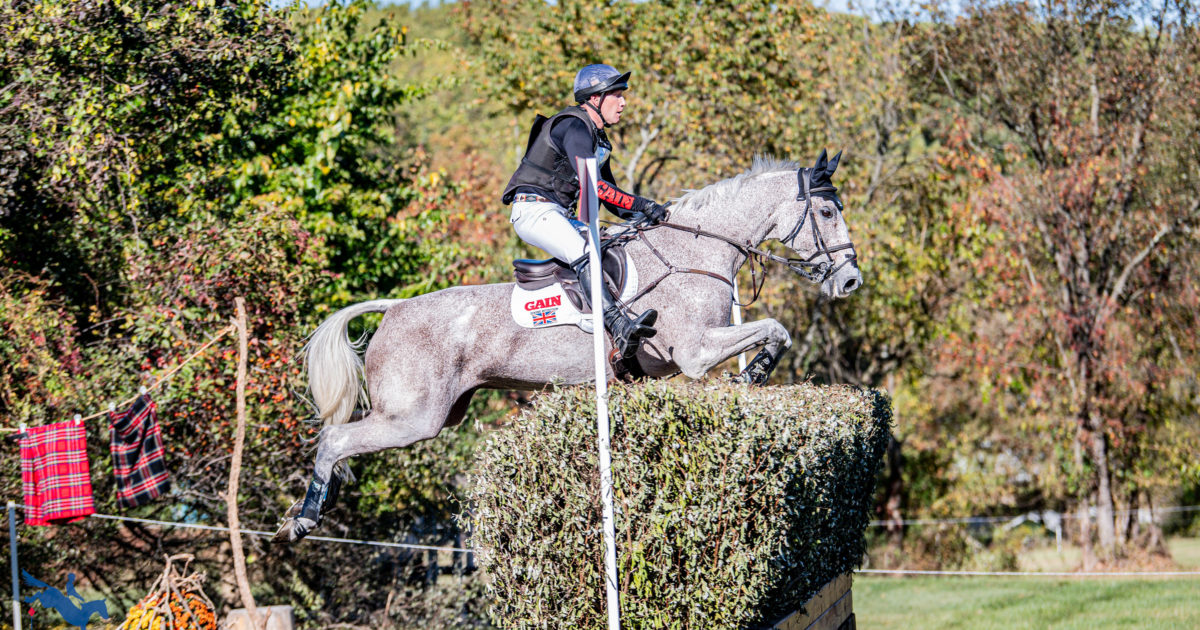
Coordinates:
column 12, row 555
column 737, row 321
column 590, row 210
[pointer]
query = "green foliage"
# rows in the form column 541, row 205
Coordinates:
column 733, row 504
column 38, row 355
column 700, row 103
column 102, row 102
column 160, row 159
column 325, row 147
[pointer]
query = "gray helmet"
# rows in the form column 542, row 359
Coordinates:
column 598, row 78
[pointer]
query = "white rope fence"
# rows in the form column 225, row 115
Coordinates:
column 1030, row 516
column 255, row 532
column 377, row 543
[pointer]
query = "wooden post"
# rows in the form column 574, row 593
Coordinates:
column 235, row 469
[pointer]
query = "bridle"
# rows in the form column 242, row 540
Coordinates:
column 815, row 272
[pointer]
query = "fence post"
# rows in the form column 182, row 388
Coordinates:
column 235, row 470
column 589, row 206
column 12, row 554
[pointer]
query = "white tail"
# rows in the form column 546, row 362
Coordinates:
column 335, row 371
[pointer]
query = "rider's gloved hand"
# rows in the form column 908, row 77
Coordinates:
column 656, row 213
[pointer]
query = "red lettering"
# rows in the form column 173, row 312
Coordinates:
column 544, row 303
column 606, row 192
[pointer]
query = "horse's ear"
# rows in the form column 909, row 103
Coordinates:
column 821, row 161
column 833, row 164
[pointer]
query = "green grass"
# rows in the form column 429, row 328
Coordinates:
column 1185, row 552
column 932, row 603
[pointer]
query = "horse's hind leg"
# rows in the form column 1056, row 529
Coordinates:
column 376, row 432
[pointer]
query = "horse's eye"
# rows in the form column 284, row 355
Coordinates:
column 827, row 213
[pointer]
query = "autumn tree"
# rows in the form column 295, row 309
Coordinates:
column 1082, row 115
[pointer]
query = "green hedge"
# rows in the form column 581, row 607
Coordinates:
column 734, row 504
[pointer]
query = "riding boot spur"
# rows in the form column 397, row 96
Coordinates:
column 627, row 333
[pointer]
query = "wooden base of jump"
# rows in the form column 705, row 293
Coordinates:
column 277, row 617
column 831, row 608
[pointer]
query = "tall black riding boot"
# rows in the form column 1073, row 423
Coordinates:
column 627, row 333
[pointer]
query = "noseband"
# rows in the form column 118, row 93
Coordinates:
column 815, row 272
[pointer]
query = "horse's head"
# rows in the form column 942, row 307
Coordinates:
column 813, row 227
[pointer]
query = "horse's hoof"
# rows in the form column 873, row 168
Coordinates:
column 751, row 377
column 286, row 533
column 293, row 529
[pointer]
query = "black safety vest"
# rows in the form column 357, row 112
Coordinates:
column 545, row 167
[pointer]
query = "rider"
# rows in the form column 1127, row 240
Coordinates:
column 546, row 186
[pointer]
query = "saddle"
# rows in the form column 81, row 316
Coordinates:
column 532, row 275
column 537, row 298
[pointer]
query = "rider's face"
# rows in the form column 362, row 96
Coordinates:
column 612, row 106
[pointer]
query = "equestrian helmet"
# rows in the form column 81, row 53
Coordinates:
column 599, row 78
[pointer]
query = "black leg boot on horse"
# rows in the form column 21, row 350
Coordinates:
column 759, row 370
column 627, row 334
column 304, row 516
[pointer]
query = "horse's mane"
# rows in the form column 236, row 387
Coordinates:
column 763, row 165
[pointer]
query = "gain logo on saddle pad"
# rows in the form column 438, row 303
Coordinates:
column 544, row 308
column 554, row 300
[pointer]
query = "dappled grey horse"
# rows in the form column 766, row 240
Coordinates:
column 432, row 352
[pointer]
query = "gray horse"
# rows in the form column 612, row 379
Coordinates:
column 432, row 352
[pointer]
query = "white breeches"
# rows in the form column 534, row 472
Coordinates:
column 545, row 225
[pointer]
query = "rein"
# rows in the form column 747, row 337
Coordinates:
column 815, row 272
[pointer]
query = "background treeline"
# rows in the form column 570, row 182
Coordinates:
column 1021, row 179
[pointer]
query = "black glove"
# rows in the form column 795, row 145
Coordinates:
column 656, row 213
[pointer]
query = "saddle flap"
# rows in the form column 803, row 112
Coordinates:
column 613, row 264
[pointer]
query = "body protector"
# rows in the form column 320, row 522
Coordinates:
column 549, row 170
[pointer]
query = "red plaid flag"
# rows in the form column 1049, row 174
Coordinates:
column 137, row 452
column 55, row 478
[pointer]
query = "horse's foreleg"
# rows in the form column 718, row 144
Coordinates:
column 339, row 442
column 716, row 345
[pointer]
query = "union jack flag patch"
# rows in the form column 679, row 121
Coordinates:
column 544, row 317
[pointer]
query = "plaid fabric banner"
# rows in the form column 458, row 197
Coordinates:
column 137, row 452
column 55, row 478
